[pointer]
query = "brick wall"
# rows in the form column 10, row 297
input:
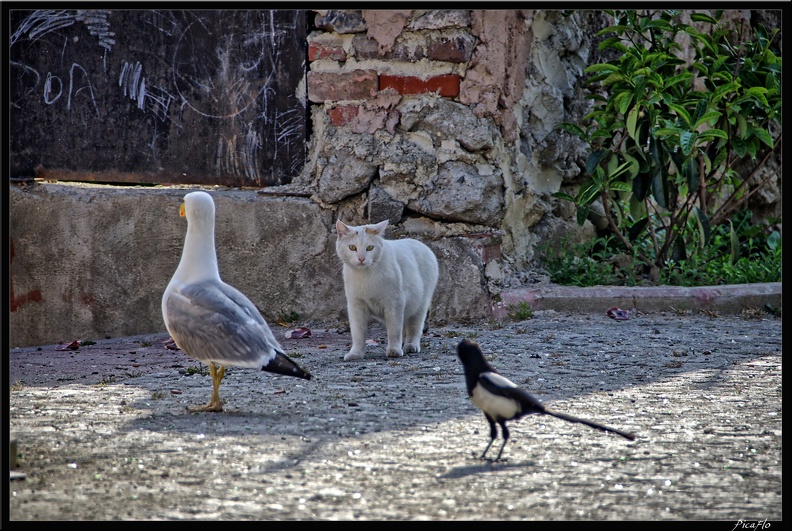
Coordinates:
column 355, row 55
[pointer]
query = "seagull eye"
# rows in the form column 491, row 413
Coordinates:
column 370, row 248
column 352, row 248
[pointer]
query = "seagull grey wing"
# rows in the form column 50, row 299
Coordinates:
column 280, row 363
column 211, row 321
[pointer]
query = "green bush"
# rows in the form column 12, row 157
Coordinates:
column 666, row 136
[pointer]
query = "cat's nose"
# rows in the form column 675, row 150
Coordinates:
column 361, row 259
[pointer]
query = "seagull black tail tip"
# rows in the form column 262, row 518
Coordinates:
column 282, row 364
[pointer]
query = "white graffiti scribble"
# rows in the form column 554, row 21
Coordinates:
column 44, row 21
column 163, row 21
column 48, row 89
column 98, row 26
column 133, row 83
column 41, row 22
column 239, row 156
column 88, row 86
column 154, row 99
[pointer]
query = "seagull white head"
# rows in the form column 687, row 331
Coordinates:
column 199, row 259
column 198, row 207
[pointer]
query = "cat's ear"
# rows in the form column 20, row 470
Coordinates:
column 342, row 228
column 377, row 229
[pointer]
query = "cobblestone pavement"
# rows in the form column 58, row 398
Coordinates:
column 103, row 432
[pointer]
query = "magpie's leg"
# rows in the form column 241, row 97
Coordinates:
column 505, row 438
column 493, row 435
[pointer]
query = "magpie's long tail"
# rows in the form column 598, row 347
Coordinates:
column 594, row 425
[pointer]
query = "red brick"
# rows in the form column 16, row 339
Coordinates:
column 355, row 85
column 343, row 114
column 457, row 49
column 447, row 85
column 318, row 51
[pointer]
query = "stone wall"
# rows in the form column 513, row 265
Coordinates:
column 446, row 123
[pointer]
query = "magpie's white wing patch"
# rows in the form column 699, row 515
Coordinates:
column 488, row 396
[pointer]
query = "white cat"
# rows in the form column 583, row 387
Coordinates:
column 390, row 280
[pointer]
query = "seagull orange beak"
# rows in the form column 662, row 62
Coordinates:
column 181, row 210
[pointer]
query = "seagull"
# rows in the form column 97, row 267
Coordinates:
column 210, row 320
column 500, row 399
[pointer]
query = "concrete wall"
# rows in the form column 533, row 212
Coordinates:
column 90, row 261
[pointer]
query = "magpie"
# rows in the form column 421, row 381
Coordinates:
column 500, row 399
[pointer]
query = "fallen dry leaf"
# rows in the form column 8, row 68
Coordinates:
column 618, row 314
column 170, row 344
column 298, row 333
column 74, row 345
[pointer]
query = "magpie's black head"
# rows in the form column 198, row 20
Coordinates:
column 471, row 357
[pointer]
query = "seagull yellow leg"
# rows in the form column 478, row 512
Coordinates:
column 217, row 372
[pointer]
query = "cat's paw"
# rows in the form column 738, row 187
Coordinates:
column 352, row 355
column 394, row 352
column 410, row 348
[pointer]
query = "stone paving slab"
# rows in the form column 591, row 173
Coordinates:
column 103, row 432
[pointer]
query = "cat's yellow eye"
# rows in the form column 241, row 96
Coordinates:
column 370, row 248
column 352, row 248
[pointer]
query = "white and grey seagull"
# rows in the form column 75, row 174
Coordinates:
column 211, row 321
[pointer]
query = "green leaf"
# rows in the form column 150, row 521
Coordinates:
column 620, row 186
column 659, row 24
column 623, row 100
column 754, row 93
column 764, row 136
column 631, row 121
column 774, row 240
column 681, row 112
column 634, row 166
column 734, row 242
column 677, row 79
column 723, row 90
column 645, row 71
column 709, row 117
column 690, row 170
column 701, row 17
column 587, row 193
column 615, row 77
column 613, row 29
column 565, row 196
column 601, row 67
column 610, row 42
column 637, row 228
column 703, row 225
column 710, row 134
column 659, row 187
column 637, row 207
column 669, row 131
column 687, row 141
column 582, row 214
column 742, row 126
column 574, row 129
column 701, row 109
column 679, row 253
column 594, row 159
column 640, row 185
column 600, row 133
column 752, row 146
